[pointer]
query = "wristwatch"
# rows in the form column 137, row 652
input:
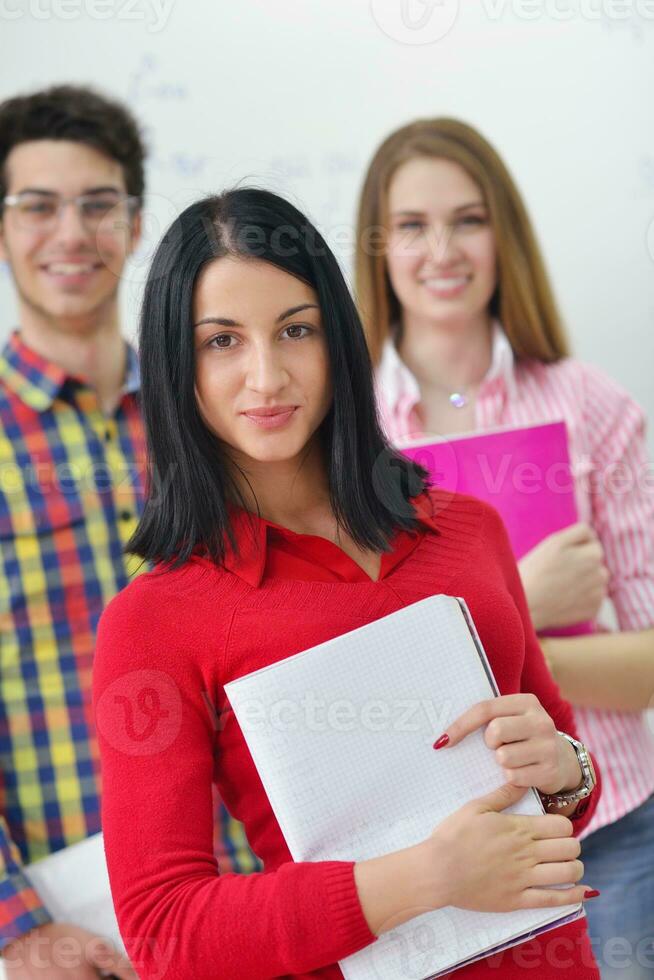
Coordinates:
column 588, row 779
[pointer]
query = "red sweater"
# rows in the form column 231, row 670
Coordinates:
column 169, row 642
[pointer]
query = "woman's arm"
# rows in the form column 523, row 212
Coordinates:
column 157, row 740
column 536, row 677
column 608, row 670
column 621, row 487
column 604, row 670
column 616, row 670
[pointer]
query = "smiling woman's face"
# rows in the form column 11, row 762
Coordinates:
column 259, row 349
column 441, row 257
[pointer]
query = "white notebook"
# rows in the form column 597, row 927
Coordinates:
column 73, row 884
column 341, row 735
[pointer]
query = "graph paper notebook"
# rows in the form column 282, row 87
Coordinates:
column 73, row 884
column 524, row 472
column 341, row 735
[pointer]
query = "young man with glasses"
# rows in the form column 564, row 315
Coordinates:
column 72, row 467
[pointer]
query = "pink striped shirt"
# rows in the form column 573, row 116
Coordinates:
column 614, row 485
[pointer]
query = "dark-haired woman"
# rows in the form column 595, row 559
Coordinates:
column 277, row 521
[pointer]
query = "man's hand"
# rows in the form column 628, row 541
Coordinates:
column 564, row 578
column 60, row 951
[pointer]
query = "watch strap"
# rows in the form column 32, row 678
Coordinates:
column 587, row 784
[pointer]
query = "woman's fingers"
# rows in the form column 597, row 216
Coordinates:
column 576, row 534
column 511, row 728
column 549, row 826
column 544, row 898
column 537, row 775
column 557, row 849
column 484, row 712
column 497, row 800
column 531, row 752
column 557, row 873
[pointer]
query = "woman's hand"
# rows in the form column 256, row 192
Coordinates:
column 499, row 862
column 564, row 578
column 478, row 858
column 526, row 743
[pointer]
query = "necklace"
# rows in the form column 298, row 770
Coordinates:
column 458, row 399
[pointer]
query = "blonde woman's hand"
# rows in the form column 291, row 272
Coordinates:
column 564, row 578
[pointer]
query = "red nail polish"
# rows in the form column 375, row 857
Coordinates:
column 440, row 742
column 593, row 893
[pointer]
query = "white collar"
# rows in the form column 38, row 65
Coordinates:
column 397, row 382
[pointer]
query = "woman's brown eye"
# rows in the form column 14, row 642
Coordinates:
column 297, row 326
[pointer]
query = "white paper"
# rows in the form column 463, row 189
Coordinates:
column 342, row 736
column 73, row 884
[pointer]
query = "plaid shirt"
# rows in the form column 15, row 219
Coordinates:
column 71, row 493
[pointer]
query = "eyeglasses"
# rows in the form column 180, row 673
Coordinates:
column 41, row 210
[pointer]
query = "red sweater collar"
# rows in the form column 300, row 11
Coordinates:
column 252, row 532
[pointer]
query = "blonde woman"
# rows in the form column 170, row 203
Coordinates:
column 464, row 333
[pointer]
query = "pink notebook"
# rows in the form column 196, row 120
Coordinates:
column 524, row 472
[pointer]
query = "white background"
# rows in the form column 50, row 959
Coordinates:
column 296, row 94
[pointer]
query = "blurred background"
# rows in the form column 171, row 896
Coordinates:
column 295, row 96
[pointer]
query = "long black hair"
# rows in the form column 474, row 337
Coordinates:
column 190, row 480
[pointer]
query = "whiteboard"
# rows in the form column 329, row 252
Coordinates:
column 295, row 95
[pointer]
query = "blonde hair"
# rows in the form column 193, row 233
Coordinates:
column 523, row 301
